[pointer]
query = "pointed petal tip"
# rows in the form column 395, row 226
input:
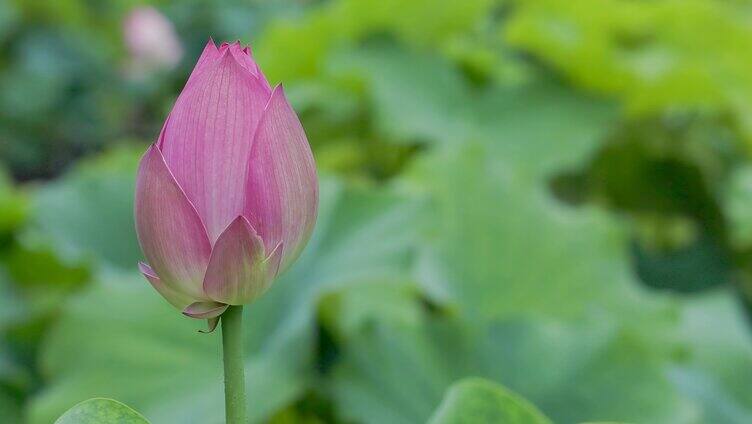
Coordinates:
column 241, row 220
column 278, row 90
column 146, row 270
column 278, row 99
column 244, row 59
column 152, row 153
column 148, row 151
column 234, row 46
column 207, row 57
column 209, row 52
column 274, row 260
column 237, row 59
column 211, row 324
column 175, row 297
column 205, row 310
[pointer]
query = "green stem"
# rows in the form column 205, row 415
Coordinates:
column 232, row 350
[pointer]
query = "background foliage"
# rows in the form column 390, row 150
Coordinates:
column 552, row 196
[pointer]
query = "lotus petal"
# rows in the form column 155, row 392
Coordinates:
column 176, row 298
column 169, row 230
column 205, row 310
column 237, row 272
column 282, row 191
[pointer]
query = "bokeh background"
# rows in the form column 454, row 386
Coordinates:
column 554, row 195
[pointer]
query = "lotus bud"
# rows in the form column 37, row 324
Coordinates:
column 227, row 196
column 151, row 40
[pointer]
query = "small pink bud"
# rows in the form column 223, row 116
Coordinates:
column 227, row 197
column 151, row 40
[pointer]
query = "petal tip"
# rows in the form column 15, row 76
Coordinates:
column 152, row 153
column 211, row 325
column 242, row 220
column 274, row 260
column 146, row 270
column 279, row 90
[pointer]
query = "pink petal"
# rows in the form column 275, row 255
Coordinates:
column 169, row 230
column 237, row 272
column 204, row 310
column 207, row 139
column 282, row 190
column 208, row 56
column 176, row 298
column 245, row 58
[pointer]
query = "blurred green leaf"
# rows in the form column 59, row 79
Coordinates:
column 343, row 22
column 13, row 205
column 697, row 266
column 14, row 379
column 542, row 127
column 40, row 269
column 663, row 173
column 8, row 18
column 656, row 167
column 652, row 55
column 500, row 244
column 10, row 408
column 416, row 96
column 40, row 284
column 539, row 127
column 474, row 400
column 574, row 372
column 737, row 204
column 12, row 307
column 101, row 411
column 717, row 370
column 346, row 310
column 88, row 214
column 485, row 205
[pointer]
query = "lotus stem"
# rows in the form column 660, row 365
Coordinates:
column 232, row 351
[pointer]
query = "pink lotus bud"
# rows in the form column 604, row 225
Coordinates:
column 227, row 197
column 151, row 39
